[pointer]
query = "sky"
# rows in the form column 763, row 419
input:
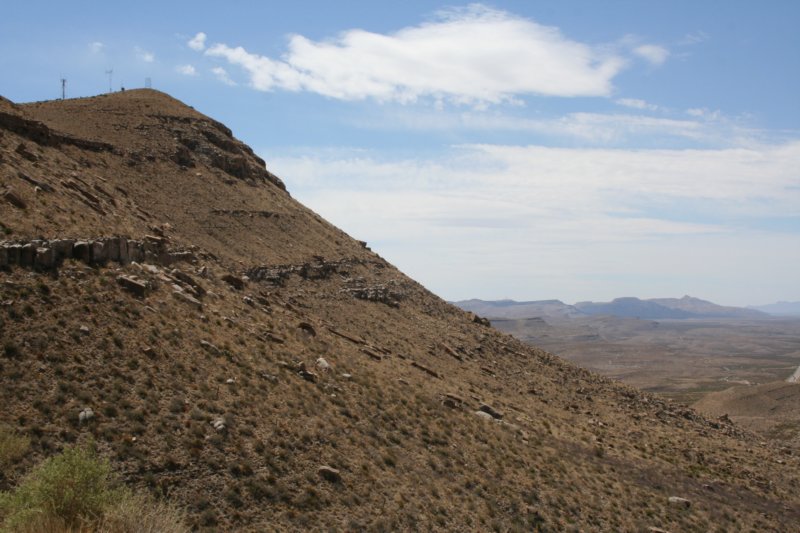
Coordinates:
column 572, row 150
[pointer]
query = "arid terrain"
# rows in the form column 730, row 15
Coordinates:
column 228, row 350
column 738, row 359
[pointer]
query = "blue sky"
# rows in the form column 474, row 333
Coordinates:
column 526, row 150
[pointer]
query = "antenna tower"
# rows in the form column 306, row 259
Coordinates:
column 63, row 88
column 110, row 73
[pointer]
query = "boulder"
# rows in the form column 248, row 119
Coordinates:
column 484, row 415
column 188, row 280
column 322, row 365
column 85, row 415
column 133, row 285
column 187, row 298
column 491, row 411
column 207, row 346
column 14, row 199
column 480, row 320
column 308, row 376
column 680, row 502
column 234, row 281
column 329, row 474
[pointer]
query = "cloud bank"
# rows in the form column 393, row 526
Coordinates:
column 531, row 218
column 474, row 56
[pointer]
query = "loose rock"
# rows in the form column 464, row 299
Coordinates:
column 85, row 415
column 235, row 282
column 484, row 415
column 138, row 288
column 14, row 199
column 329, row 474
column 186, row 298
column 679, row 502
column 491, row 411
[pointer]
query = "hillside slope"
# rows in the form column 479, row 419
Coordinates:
column 770, row 408
column 164, row 297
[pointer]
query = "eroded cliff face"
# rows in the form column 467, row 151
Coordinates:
column 245, row 358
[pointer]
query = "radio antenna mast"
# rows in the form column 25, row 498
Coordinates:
column 110, row 72
column 63, row 88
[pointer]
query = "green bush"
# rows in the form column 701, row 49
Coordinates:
column 75, row 490
column 73, row 487
column 12, row 446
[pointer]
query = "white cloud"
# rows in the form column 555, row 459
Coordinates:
column 187, row 70
column 654, row 54
column 144, row 55
column 198, row 42
column 222, row 75
column 608, row 129
column 528, row 218
column 636, row 103
column 705, row 113
column 694, row 38
column 96, row 47
column 475, row 55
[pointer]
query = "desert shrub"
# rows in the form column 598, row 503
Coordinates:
column 12, row 446
column 72, row 487
column 76, row 490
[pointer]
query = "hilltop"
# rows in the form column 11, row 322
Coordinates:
column 231, row 351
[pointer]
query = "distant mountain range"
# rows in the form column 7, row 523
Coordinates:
column 513, row 309
column 629, row 307
column 779, row 308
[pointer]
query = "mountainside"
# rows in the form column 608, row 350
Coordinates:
column 779, row 308
column 705, row 309
column 164, row 297
column 666, row 308
column 631, row 308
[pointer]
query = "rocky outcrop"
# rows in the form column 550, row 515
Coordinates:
column 390, row 293
column 313, row 270
column 44, row 255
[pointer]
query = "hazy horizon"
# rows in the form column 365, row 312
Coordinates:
column 578, row 149
column 573, row 302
